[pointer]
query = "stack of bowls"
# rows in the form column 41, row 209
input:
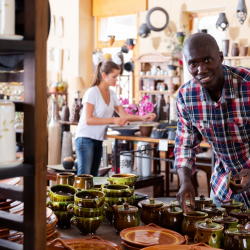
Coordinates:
column 51, row 220
column 117, row 195
column 60, row 197
column 89, row 210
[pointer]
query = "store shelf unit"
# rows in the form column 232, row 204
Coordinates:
column 33, row 193
column 228, row 59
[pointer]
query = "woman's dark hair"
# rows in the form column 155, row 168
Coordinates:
column 107, row 67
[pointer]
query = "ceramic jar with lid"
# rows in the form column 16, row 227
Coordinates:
column 242, row 214
column 213, row 211
column 202, row 202
column 237, row 238
column 210, row 233
column 226, row 221
column 231, row 205
column 125, row 216
column 171, row 218
column 189, row 221
column 151, row 211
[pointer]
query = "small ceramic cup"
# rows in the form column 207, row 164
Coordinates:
column 65, row 178
column 84, row 181
column 61, row 193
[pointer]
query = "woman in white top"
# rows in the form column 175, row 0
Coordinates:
column 99, row 103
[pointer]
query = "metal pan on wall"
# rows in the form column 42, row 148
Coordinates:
column 150, row 26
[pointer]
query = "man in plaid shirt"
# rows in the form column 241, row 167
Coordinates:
column 214, row 104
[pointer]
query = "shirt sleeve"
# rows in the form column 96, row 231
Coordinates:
column 187, row 138
column 114, row 97
column 89, row 96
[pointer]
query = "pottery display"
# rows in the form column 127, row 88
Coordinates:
column 126, row 162
column 242, row 214
column 64, row 218
column 231, row 205
column 151, row 211
column 89, row 198
column 83, row 181
column 65, row 178
column 123, row 179
column 201, row 202
column 199, row 246
column 146, row 130
column 149, row 235
column 117, row 190
column 235, row 49
column 87, row 212
column 225, row 46
column 87, row 225
column 58, row 206
column 65, row 112
column 209, row 232
column 75, row 112
column 68, row 163
column 243, row 50
column 171, row 218
column 67, row 150
column 213, row 211
column 226, row 221
column 237, row 238
column 190, row 220
column 61, row 193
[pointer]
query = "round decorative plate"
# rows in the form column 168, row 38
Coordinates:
column 200, row 246
column 11, row 164
column 126, row 130
column 150, row 235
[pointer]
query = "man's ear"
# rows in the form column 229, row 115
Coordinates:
column 221, row 56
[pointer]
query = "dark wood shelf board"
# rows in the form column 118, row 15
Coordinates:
column 8, row 245
column 11, row 221
column 21, row 170
column 11, row 192
column 68, row 123
column 16, row 46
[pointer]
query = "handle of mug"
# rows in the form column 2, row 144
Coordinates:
column 49, row 204
column 70, row 207
column 74, row 221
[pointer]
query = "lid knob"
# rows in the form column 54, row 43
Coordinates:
column 202, row 197
column 243, row 208
column 126, row 206
column 152, row 200
column 225, row 215
column 208, row 221
column 214, row 206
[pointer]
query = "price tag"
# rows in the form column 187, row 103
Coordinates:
column 163, row 145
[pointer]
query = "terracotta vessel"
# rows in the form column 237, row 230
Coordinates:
column 65, row 112
column 237, row 238
column 151, row 211
column 125, row 216
column 231, row 205
column 209, row 232
column 123, row 179
column 189, row 221
column 202, row 202
column 146, row 130
column 64, row 218
column 61, row 193
column 65, row 178
column 117, row 190
column 226, row 221
column 84, row 181
column 243, row 50
column 87, row 225
column 235, row 49
column 242, row 214
column 89, row 198
column 171, row 218
column 213, row 211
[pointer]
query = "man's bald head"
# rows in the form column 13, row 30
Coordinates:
column 199, row 40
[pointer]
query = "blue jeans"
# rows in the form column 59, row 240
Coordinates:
column 89, row 154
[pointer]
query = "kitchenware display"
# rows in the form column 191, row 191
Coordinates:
column 130, row 247
column 61, row 193
column 114, row 190
column 235, row 49
column 146, row 130
column 226, row 221
column 58, row 206
column 209, row 232
column 201, row 202
column 126, row 129
column 171, row 218
column 237, row 238
column 125, row 216
column 151, row 211
column 93, row 243
column 242, row 214
column 190, row 220
column 64, row 218
column 83, row 181
column 213, row 211
column 243, row 50
column 123, row 179
column 149, row 235
column 199, row 246
column 231, row 205
column 89, row 198
column 65, row 178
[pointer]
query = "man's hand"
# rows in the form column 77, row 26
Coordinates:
column 186, row 190
column 244, row 177
column 119, row 121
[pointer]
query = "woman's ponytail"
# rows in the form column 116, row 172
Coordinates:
column 97, row 76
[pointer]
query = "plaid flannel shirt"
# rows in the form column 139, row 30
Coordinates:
column 225, row 125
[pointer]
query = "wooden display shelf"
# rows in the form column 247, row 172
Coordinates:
column 236, row 57
column 156, row 76
column 13, row 46
column 155, row 92
column 68, row 123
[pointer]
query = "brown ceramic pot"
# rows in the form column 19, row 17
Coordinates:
column 65, row 178
column 146, row 130
column 231, row 205
column 125, row 216
column 226, row 221
column 171, row 218
column 151, row 211
column 202, row 202
column 243, row 50
column 213, row 211
column 117, row 190
column 84, row 181
column 123, row 179
column 235, row 49
column 189, row 221
column 242, row 214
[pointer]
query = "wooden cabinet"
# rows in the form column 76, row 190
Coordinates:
column 34, row 20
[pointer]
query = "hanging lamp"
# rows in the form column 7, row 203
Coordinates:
column 222, row 22
column 241, row 11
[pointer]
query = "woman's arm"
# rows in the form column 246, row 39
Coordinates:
column 91, row 120
column 149, row 117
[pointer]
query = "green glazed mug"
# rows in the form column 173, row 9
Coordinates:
column 114, row 190
column 58, row 206
column 61, row 193
column 123, row 179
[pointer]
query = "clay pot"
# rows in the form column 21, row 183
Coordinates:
column 61, row 193
column 243, row 50
column 213, row 211
column 146, row 130
column 84, row 181
column 242, row 214
column 117, row 191
column 125, row 216
column 235, row 50
column 123, row 179
column 189, row 221
column 231, row 205
column 65, row 178
column 89, row 198
column 226, row 221
column 151, row 211
column 58, row 206
column 65, row 112
column 171, row 218
column 201, row 202
column 225, row 46
column 64, row 218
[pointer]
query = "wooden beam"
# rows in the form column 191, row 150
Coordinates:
column 12, row 221
column 8, row 245
column 106, row 8
column 11, row 192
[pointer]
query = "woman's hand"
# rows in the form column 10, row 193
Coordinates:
column 120, row 121
column 149, row 117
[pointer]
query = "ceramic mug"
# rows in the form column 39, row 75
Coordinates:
column 65, row 178
column 83, row 181
column 126, row 162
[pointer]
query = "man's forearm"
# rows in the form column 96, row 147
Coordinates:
column 184, row 174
